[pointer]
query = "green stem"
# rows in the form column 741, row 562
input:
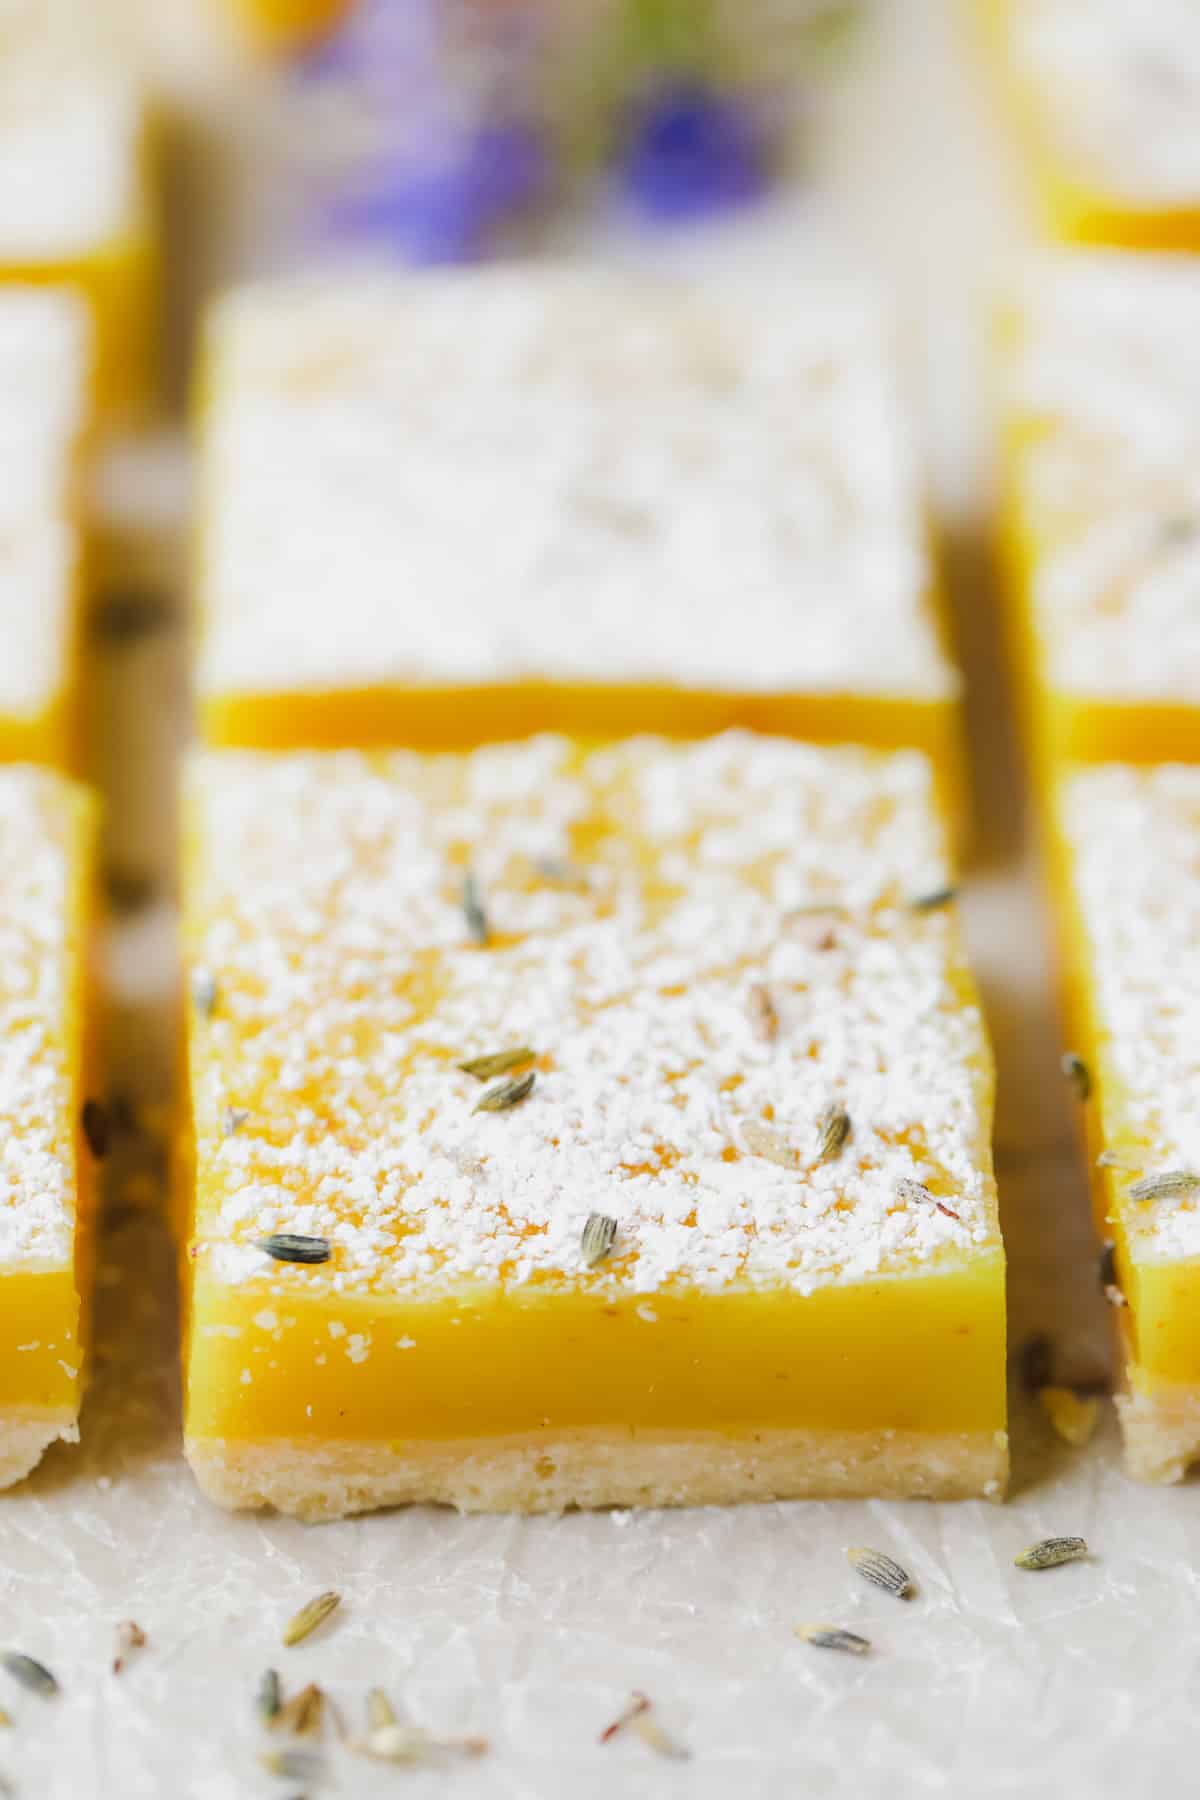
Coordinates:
column 674, row 34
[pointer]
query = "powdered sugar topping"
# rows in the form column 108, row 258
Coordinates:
column 569, row 475
column 328, row 905
column 1108, row 374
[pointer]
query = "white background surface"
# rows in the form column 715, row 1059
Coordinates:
column 1081, row 1681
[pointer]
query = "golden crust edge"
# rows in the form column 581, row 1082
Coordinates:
column 25, row 1438
column 599, row 1468
column 1161, row 1433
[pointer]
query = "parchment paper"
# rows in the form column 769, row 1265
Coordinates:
column 1081, row 1681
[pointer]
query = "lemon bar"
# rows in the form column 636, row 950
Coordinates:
column 1128, row 883
column 627, row 1109
column 75, row 191
column 1102, row 505
column 460, row 508
column 286, row 25
column 1106, row 98
column 45, row 348
column 46, row 832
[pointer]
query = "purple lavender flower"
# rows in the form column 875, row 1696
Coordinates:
column 449, row 209
column 379, row 45
column 437, row 185
column 691, row 151
column 510, row 166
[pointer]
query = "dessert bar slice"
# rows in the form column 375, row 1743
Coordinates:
column 1127, row 878
column 1106, row 96
column 45, row 340
column 1102, row 505
column 460, row 508
column 584, row 1126
column 75, row 190
column 46, row 841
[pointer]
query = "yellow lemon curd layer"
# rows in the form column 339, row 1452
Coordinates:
column 696, row 951
column 1102, row 96
column 1100, row 524
column 45, row 347
column 46, row 1210
column 50, row 736
column 1125, row 855
column 432, row 718
column 444, row 511
column 912, row 1353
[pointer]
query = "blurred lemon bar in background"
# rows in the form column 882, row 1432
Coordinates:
column 75, row 189
column 287, row 25
column 584, row 1126
column 46, row 1210
column 1127, row 879
column 1106, row 97
column 1101, row 510
column 449, row 509
column 45, row 355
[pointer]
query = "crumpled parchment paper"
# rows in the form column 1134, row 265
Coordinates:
column 532, row 1633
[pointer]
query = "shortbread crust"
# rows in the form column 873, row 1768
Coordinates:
column 599, row 1468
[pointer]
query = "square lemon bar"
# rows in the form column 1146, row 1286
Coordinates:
column 46, row 1211
column 45, row 351
column 452, row 509
column 1128, row 882
column 75, row 189
column 1101, row 511
column 1106, row 97
column 584, row 1126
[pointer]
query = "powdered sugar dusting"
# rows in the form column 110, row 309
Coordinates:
column 1135, row 837
column 327, row 902
column 576, row 476
column 44, row 349
column 1116, row 89
column 38, row 950
column 1108, row 373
